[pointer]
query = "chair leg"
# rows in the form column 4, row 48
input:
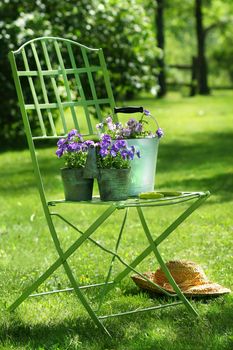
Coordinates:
column 64, row 257
column 104, row 288
column 163, row 265
column 83, row 300
column 69, row 273
column 157, row 241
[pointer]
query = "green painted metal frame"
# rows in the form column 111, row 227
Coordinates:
column 107, row 285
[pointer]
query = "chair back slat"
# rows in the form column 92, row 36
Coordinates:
column 44, row 91
column 54, row 84
column 107, row 82
column 33, row 91
column 65, row 104
column 64, row 74
column 79, row 86
column 91, row 82
column 56, row 72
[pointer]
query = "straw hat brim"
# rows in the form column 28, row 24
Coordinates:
column 205, row 289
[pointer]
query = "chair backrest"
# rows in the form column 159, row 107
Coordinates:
column 60, row 75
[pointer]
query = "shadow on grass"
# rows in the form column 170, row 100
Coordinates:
column 205, row 148
column 18, row 178
column 220, row 185
column 211, row 152
column 197, row 333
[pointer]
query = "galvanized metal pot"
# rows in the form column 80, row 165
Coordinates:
column 113, row 184
column 76, row 187
column 142, row 176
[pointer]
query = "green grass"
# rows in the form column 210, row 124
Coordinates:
column 195, row 154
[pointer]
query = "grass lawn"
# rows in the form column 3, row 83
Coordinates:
column 195, row 154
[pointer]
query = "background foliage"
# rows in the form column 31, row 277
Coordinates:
column 125, row 36
column 181, row 39
column 126, row 31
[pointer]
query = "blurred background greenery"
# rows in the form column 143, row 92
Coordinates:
column 160, row 53
column 151, row 46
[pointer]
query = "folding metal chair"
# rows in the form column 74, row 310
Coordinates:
column 44, row 62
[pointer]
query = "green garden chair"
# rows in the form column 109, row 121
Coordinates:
column 62, row 74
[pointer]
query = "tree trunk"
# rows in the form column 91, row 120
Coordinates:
column 159, row 22
column 193, row 88
column 202, row 71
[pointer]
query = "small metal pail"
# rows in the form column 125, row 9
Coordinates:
column 76, row 187
column 113, row 184
column 142, row 175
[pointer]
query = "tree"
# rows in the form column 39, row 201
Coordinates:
column 202, row 70
column 159, row 23
column 200, row 29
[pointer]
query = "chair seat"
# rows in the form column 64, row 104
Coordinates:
column 135, row 201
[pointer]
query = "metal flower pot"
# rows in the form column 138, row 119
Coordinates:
column 113, row 184
column 142, row 176
column 76, row 187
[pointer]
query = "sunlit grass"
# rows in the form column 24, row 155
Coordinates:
column 195, row 154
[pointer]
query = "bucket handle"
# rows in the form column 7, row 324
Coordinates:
column 129, row 109
column 133, row 109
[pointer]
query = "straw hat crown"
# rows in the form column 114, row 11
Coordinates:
column 189, row 276
column 185, row 273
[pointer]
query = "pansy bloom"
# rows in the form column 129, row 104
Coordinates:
column 115, row 153
column 74, row 149
column 131, row 129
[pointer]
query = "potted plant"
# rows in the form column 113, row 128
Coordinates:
column 142, row 175
column 75, row 150
column 113, row 161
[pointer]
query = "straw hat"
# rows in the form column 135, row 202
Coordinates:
column 190, row 278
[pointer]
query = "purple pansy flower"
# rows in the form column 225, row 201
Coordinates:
column 113, row 153
column 111, row 125
column 146, row 112
column 108, row 120
column 160, row 133
column 106, row 138
column 59, row 152
column 84, row 147
column 103, row 152
column 89, row 143
column 124, row 154
column 131, row 129
column 61, row 143
column 105, row 141
column 130, row 155
column 121, row 143
column 138, row 127
column 99, row 126
column 74, row 149
column 132, row 123
column 138, row 154
column 133, row 148
column 118, row 125
column 115, row 147
column 73, row 146
column 126, row 132
column 72, row 133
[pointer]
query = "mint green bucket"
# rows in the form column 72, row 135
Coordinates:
column 142, row 175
